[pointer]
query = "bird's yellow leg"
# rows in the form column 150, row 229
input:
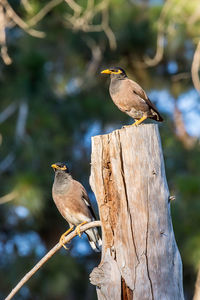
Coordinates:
column 61, row 241
column 139, row 121
column 78, row 232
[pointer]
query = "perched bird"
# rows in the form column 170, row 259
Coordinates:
column 130, row 98
column 74, row 205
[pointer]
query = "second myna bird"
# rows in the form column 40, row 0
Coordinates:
column 74, row 205
column 130, row 98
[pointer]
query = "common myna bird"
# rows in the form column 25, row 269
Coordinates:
column 74, row 205
column 130, row 97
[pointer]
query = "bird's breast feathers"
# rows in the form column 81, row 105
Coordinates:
column 75, row 218
column 126, row 99
column 71, row 204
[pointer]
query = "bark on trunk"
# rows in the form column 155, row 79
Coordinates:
column 140, row 258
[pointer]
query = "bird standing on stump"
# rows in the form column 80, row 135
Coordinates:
column 130, row 97
column 74, row 205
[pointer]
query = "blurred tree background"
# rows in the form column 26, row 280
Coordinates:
column 53, row 100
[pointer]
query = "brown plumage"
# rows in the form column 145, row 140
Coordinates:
column 73, row 203
column 130, row 98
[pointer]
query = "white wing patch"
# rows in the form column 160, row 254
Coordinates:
column 86, row 202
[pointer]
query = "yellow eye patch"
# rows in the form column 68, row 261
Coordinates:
column 54, row 166
column 116, row 72
column 107, row 71
column 63, row 168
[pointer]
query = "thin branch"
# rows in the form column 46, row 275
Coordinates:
column 12, row 15
column 4, row 50
column 48, row 256
column 180, row 131
column 21, row 121
column 7, row 161
column 180, row 76
column 195, row 17
column 169, row 5
column 108, row 31
column 159, row 52
column 7, row 112
column 84, row 22
column 76, row 7
column 96, row 56
column 79, row 19
column 4, row 54
column 27, row 5
column 47, row 8
column 164, row 29
column 150, row 62
column 9, row 197
column 195, row 68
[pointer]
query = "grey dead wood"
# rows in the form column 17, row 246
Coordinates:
column 140, row 258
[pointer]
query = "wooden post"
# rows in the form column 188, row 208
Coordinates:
column 140, row 258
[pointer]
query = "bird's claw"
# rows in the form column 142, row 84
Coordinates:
column 78, row 231
column 61, row 241
column 138, row 122
column 126, row 126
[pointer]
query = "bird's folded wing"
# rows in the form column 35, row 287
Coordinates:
column 136, row 88
column 86, row 199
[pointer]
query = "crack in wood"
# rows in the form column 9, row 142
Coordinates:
column 146, row 255
column 126, row 195
column 127, row 293
column 109, row 191
column 147, row 236
column 128, row 209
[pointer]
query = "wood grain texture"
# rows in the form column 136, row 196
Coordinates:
column 107, row 278
column 128, row 179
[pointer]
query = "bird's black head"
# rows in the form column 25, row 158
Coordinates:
column 60, row 166
column 115, row 72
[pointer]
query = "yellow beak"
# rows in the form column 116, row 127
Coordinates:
column 107, row 71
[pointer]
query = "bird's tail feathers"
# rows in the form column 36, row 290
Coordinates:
column 94, row 239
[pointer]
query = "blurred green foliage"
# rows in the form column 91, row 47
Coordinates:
column 60, row 100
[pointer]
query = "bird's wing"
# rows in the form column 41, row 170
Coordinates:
column 86, row 199
column 136, row 88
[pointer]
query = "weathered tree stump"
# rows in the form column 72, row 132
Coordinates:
column 140, row 258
